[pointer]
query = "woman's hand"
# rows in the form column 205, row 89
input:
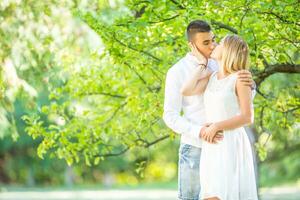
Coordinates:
column 201, row 58
column 210, row 133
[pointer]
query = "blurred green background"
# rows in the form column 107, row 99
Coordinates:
column 82, row 85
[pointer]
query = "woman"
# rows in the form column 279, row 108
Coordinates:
column 226, row 167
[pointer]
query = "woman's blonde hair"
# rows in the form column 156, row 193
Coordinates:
column 235, row 55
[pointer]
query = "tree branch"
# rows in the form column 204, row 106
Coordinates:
column 177, row 4
column 105, row 94
column 140, row 77
column 164, row 20
column 157, row 140
column 280, row 18
column 128, row 148
column 137, row 50
column 276, row 68
column 140, row 12
column 114, row 154
column 151, row 22
column 224, row 26
column 114, row 114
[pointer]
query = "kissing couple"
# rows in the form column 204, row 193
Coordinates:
column 214, row 90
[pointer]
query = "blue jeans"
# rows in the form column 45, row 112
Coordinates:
column 188, row 173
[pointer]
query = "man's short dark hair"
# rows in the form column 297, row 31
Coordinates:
column 197, row 26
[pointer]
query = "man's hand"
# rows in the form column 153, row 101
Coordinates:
column 245, row 77
column 219, row 136
column 201, row 58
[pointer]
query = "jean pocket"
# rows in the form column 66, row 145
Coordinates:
column 184, row 149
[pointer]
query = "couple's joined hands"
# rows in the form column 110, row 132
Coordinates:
column 210, row 133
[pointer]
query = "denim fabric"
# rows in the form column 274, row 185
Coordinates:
column 188, row 173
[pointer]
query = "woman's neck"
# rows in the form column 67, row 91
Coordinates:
column 221, row 72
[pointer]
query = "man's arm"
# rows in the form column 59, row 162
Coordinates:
column 173, row 106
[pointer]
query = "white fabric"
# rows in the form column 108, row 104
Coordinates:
column 188, row 124
column 226, row 168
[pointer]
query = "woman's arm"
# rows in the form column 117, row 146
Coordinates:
column 198, row 82
column 244, row 94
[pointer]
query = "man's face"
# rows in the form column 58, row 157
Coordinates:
column 205, row 42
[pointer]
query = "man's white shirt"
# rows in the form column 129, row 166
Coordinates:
column 191, row 121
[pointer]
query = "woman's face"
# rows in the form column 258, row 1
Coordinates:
column 217, row 52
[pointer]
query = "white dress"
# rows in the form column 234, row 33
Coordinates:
column 226, row 168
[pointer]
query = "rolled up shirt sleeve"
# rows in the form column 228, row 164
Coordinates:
column 173, row 106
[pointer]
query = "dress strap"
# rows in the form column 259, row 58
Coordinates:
column 233, row 81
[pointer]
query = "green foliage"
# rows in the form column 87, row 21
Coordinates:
column 144, row 43
column 93, row 83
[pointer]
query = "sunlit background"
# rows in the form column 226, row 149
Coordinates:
column 82, row 85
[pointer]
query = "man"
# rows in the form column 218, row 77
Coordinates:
column 191, row 124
